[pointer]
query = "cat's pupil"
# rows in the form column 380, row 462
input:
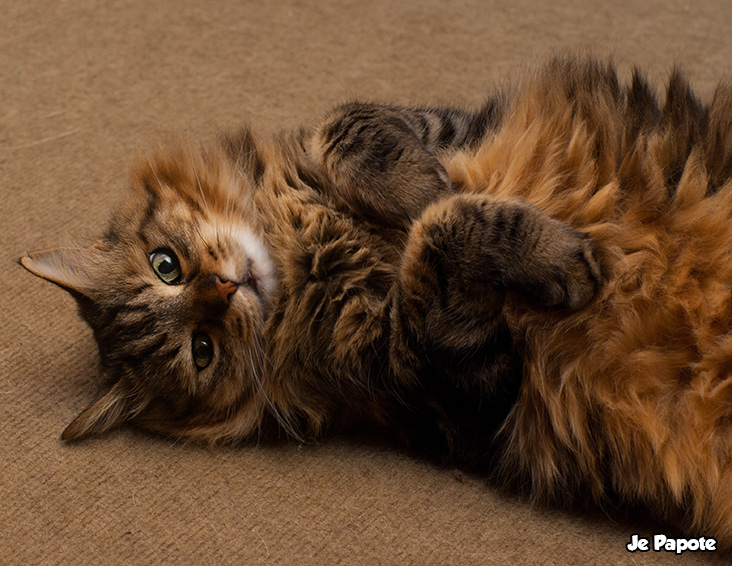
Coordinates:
column 166, row 266
column 202, row 350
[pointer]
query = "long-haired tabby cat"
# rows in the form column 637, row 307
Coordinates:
column 541, row 288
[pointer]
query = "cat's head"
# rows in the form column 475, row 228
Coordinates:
column 176, row 292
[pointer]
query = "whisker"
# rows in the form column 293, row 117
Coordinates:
column 283, row 421
column 198, row 180
column 154, row 172
column 197, row 228
column 228, row 207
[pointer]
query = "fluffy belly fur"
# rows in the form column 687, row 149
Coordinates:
column 633, row 394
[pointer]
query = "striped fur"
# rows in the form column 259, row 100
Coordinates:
column 541, row 288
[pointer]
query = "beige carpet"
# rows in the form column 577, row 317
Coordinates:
column 83, row 84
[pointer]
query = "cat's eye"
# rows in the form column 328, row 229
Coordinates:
column 166, row 266
column 202, row 350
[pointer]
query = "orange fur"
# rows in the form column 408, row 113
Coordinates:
column 633, row 393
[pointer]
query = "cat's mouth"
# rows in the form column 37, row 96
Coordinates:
column 254, row 279
column 252, row 282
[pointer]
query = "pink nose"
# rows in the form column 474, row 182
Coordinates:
column 225, row 289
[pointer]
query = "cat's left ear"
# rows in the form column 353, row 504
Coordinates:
column 117, row 406
column 70, row 268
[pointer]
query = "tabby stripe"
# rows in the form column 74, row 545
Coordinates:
column 345, row 125
column 396, row 155
column 478, row 127
column 307, row 177
column 517, row 223
column 356, row 142
column 150, row 349
column 150, row 210
column 290, row 180
column 443, row 127
column 410, row 342
column 489, row 117
column 442, row 280
column 532, row 237
column 170, row 353
column 129, row 331
column 435, row 127
column 461, row 122
column 140, row 289
column 447, row 132
column 115, row 311
column 423, row 126
column 191, row 202
column 499, row 226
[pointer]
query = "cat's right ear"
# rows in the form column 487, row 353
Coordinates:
column 70, row 268
column 241, row 147
column 117, row 406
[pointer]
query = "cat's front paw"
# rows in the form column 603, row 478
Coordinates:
column 377, row 167
column 576, row 276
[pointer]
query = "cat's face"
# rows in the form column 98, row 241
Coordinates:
column 177, row 293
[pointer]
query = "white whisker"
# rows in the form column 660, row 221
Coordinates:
column 281, row 419
column 198, row 180
column 155, row 172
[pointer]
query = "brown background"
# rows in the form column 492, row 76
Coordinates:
column 83, row 84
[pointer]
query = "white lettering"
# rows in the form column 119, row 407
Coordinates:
column 676, row 545
column 637, row 543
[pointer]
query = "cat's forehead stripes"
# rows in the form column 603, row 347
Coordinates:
column 202, row 183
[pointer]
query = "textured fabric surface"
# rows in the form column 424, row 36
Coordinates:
column 83, row 85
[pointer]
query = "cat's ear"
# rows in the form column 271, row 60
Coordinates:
column 117, row 406
column 70, row 268
column 241, row 147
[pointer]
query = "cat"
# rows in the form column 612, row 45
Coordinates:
column 539, row 289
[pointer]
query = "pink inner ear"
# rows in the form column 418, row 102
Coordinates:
column 69, row 268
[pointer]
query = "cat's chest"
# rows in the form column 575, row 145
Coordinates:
column 326, row 333
column 334, row 282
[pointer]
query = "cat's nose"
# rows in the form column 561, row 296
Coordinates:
column 225, row 288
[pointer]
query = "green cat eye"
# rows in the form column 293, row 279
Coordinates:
column 166, row 266
column 202, row 350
